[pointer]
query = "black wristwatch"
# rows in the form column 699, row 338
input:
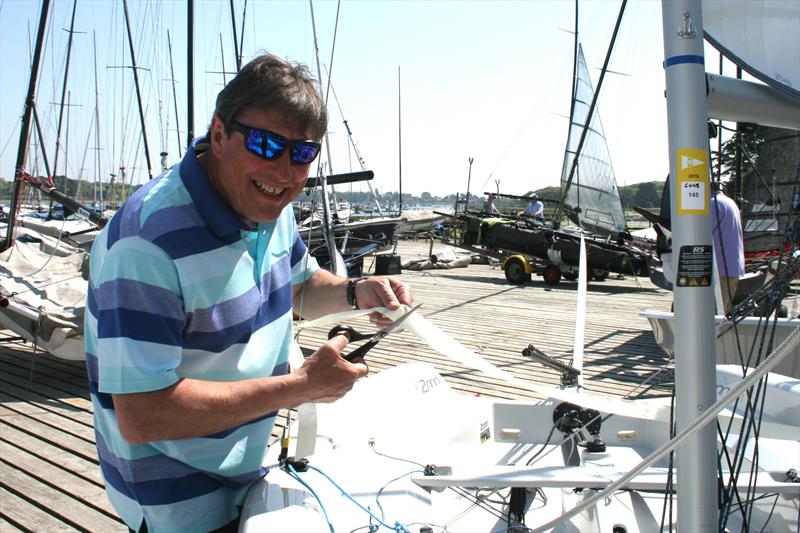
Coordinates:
column 351, row 293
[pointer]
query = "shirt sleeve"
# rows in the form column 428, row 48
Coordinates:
column 139, row 318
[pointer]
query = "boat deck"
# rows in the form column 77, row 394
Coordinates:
column 49, row 475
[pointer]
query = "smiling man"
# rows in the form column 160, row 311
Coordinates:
column 189, row 315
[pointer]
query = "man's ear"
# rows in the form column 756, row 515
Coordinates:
column 217, row 135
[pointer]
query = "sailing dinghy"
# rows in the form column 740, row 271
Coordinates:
column 404, row 451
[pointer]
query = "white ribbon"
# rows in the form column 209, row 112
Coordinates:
column 449, row 347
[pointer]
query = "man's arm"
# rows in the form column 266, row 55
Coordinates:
column 195, row 408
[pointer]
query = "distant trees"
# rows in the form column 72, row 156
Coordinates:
column 81, row 190
column 646, row 194
column 739, row 152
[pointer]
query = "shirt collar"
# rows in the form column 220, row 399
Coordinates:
column 212, row 208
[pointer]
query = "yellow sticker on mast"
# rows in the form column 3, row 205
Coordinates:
column 692, row 181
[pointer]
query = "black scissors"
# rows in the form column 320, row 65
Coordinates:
column 353, row 336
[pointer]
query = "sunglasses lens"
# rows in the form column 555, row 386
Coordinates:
column 305, row 152
column 265, row 144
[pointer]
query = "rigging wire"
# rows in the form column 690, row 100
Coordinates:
column 380, row 491
column 669, row 492
column 769, row 302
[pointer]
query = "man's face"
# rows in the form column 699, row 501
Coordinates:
column 256, row 188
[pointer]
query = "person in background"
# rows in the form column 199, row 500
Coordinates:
column 488, row 205
column 728, row 241
column 535, row 208
column 189, row 314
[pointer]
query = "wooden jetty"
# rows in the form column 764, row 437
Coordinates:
column 49, row 474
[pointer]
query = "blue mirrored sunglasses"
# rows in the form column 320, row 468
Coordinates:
column 270, row 145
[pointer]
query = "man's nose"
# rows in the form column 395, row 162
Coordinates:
column 284, row 169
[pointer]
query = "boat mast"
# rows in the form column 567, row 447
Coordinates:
column 241, row 35
column 22, row 149
column 574, row 66
column 174, row 95
column 63, row 93
column 573, row 97
column 695, row 377
column 399, row 146
column 469, row 178
column 222, row 57
column 98, row 180
column 138, row 90
column 189, row 72
column 585, row 130
column 327, row 230
column 235, row 40
column 361, row 162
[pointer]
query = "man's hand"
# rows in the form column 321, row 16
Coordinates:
column 328, row 375
column 325, row 293
column 383, row 292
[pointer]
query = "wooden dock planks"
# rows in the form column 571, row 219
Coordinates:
column 49, row 474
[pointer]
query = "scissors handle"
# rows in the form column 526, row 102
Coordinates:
column 351, row 334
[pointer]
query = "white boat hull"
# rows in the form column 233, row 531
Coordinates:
column 750, row 331
column 410, row 450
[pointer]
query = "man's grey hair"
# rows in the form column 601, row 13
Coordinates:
column 270, row 82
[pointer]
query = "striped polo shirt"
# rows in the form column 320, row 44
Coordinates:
column 181, row 287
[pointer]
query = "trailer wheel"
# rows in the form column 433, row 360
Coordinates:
column 515, row 272
column 572, row 276
column 551, row 274
column 599, row 275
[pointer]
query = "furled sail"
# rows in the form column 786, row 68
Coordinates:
column 592, row 198
column 760, row 36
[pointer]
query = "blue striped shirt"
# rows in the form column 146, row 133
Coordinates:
column 181, row 287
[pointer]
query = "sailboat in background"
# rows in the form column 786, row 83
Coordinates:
column 354, row 239
column 338, row 243
column 44, row 263
column 589, row 197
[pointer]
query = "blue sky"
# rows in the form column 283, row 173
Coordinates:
column 480, row 79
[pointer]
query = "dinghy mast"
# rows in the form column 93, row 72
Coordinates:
column 175, row 95
column 569, row 176
column 22, row 150
column 338, row 267
column 189, row 73
column 138, row 90
column 61, row 106
column 695, row 374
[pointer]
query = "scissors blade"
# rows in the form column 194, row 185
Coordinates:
column 394, row 325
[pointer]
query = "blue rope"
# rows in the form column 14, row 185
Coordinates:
column 292, row 472
column 398, row 527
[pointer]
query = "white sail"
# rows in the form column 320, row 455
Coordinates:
column 760, row 36
column 592, row 198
